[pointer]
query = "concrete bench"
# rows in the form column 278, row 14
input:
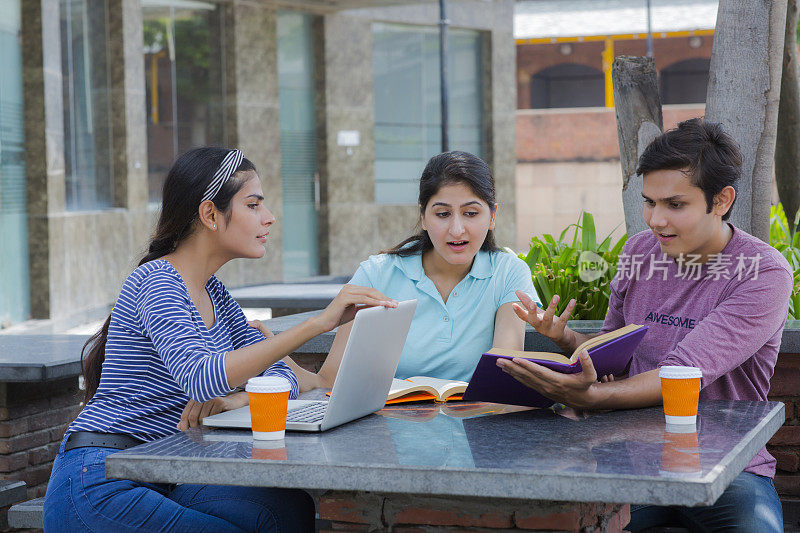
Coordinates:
column 290, row 298
column 12, row 492
column 27, row 515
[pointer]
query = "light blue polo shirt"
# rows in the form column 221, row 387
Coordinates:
column 447, row 339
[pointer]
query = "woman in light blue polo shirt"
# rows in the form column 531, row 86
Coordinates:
column 464, row 285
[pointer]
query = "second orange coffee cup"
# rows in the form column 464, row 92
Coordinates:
column 680, row 390
column 269, row 398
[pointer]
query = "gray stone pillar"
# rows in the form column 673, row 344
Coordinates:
column 216, row 78
column 253, row 122
column 348, row 226
column 77, row 260
column 500, row 99
column 100, row 87
column 127, row 106
column 44, row 139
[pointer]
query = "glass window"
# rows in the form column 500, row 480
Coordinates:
column 298, row 144
column 408, row 103
column 184, row 78
column 87, row 126
column 14, row 283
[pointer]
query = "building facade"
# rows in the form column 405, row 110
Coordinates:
column 336, row 103
column 567, row 147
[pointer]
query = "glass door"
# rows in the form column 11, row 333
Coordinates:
column 14, row 282
column 298, row 145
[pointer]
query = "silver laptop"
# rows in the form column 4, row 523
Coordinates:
column 363, row 381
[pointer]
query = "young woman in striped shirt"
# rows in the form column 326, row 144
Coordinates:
column 174, row 348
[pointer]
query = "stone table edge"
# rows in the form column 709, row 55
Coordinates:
column 759, row 436
column 413, row 480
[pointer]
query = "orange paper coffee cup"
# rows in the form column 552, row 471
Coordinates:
column 680, row 391
column 269, row 398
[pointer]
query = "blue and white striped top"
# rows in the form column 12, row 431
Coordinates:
column 159, row 354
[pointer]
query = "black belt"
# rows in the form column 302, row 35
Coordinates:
column 83, row 439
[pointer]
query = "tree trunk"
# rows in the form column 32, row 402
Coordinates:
column 787, row 146
column 639, row 120
column 743, row 94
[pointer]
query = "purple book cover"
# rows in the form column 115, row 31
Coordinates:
column 490, row 384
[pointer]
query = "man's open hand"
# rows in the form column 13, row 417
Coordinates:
column 574, row 390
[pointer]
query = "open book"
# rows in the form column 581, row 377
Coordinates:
column 424, row 389
column 421, row 388
column 611, row 353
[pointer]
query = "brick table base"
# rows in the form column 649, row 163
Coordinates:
column 360, row 511
column 785, row 445
column 33, row 417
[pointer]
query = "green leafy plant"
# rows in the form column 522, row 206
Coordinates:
column 560, row 267
column 788, row 244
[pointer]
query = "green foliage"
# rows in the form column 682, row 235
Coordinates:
column 788, row 245
column 554, row 265
column 555, row 269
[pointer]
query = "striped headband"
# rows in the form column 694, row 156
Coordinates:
column 226, row 169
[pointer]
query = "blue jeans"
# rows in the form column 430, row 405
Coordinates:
column 80, row 498
column 750, row 504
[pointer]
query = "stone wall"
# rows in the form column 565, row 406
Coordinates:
column 785, row 445
column 568, row 162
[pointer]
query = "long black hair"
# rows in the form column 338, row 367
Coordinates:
column 450, row 168
column 180, row 201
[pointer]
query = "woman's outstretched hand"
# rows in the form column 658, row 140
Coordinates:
column 348, row 302
column 546, row 321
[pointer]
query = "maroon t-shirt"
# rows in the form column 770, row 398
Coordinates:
column 725, row 316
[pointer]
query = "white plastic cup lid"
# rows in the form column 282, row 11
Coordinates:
column 679, row 372
column 267, row 384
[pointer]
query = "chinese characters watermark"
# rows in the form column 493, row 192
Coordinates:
column 688, row 267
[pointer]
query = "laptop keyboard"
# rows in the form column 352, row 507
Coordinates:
column 312, row 412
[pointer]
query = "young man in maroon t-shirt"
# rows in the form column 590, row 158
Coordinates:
column 713, row 296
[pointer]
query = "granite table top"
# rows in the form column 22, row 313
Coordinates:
column 483, row 450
